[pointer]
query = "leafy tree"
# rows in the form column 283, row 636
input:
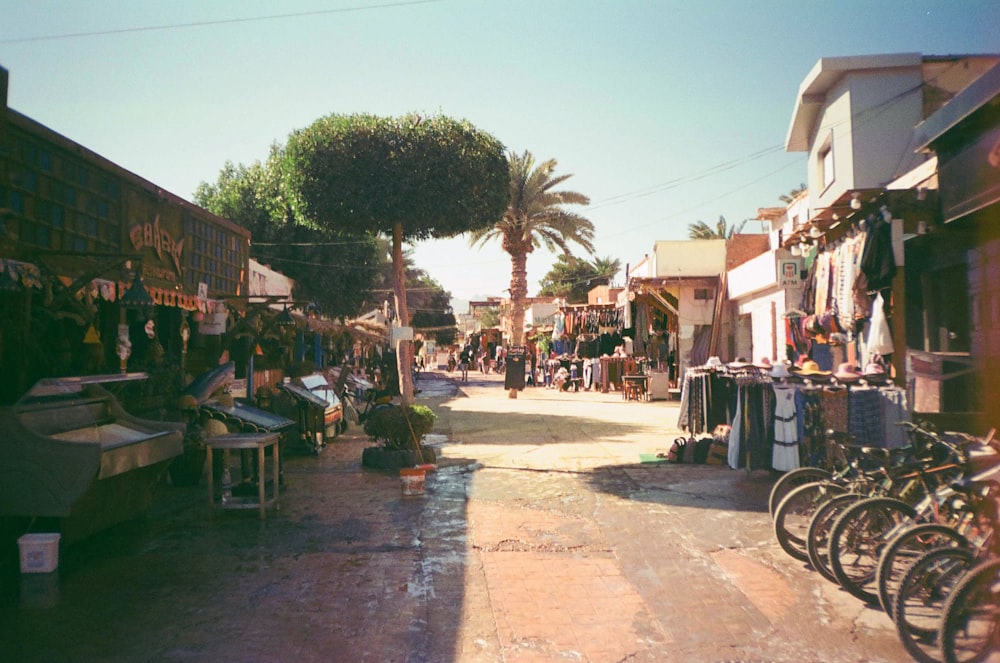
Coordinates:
column 410, row 177
column 330, row 268
column 787, row 198
column 535, row 216
column 701, row 230
column 431, row 306
column 605, row 270
column 572, row 278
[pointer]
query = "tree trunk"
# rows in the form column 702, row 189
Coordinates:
column 404, row 349
column 518, row 293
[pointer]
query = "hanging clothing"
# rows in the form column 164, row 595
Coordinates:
column 786, row 433
column 834, row 408
column 876, row 339
column 864, row 412
column 822, row 301
column 894, row 409
column 878, row 263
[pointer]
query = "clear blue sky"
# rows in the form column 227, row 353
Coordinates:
column 665, row 112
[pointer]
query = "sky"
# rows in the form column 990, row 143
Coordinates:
column 664, row 112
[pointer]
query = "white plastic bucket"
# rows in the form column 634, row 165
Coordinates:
column 412, row 481
column 39, row 552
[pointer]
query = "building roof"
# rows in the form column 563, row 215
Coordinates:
column 818, row 82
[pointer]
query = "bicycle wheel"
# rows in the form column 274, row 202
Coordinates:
column 904, row 549
column 791, row 480
column 791, row 519
column 818, row 534
column 970, row 627
column 857, row 539
column 919, row 603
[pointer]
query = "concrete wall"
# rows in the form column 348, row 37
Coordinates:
column 703, row 257
column 869, row 116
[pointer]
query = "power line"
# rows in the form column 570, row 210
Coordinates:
column 224, row 21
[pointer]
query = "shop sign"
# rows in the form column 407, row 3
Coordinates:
column 788, row 273
column 213, row 324
column 152, row 236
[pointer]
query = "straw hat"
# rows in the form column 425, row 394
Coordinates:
column 714, row 362
column 810, row 367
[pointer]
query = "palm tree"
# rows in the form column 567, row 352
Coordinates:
column 605, row 270
column 535, row 217
column 701, row 230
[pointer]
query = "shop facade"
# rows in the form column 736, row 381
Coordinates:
column 103, row 271
column 955, row 343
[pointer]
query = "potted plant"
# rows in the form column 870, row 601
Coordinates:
column 397, row 432
column 186, row 469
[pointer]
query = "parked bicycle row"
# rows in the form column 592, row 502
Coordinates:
column 914, row 530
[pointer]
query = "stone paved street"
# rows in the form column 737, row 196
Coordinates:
column 541, row 537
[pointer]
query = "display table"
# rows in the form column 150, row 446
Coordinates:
column 635, row 387
column 247, row 442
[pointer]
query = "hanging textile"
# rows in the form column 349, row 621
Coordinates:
column 754, row 419
column 786, row 433
column 864, row 410
column 878, row 263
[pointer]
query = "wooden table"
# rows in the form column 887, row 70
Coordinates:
column 635, row 387
column 247, row 441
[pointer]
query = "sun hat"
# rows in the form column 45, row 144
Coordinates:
column 739, row 362
column 780, row 370
column 763, row 362
column 713, row 362
column 873, row 368
column 846, row 372
column 810, row 367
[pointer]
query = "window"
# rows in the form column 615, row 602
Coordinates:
column 702, row 293
column 824, row 163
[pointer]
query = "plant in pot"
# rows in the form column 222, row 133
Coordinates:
column 397, row 432
column 186, row 469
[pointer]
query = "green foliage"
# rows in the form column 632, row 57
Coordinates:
column 722, row 230
column 787, row 198
column 489, row 318
column 572, row 278
column 330, row 267
column 435, row 176
column 430, row 305
column 400, row 427
column 536, row 216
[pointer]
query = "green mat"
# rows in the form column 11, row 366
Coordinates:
column 651, row 458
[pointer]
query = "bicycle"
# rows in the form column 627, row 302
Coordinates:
column 920, row 604
column 970, row 627
column 859, row 538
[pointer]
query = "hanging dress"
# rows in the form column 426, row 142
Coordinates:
column 785, row 455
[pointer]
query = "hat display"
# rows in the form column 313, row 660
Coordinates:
column 810, row 367
column 873, row 368
column 714, row 362
column 846, row 372
column 780, row 370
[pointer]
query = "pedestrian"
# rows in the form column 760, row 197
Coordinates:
column 463, row 362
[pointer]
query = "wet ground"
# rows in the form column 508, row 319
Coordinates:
column 541, row 537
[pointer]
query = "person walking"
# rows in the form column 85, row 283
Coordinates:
column 463, row 362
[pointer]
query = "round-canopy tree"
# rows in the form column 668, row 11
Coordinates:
column 409, row 177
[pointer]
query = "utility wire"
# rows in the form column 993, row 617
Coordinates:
column 224, row 21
